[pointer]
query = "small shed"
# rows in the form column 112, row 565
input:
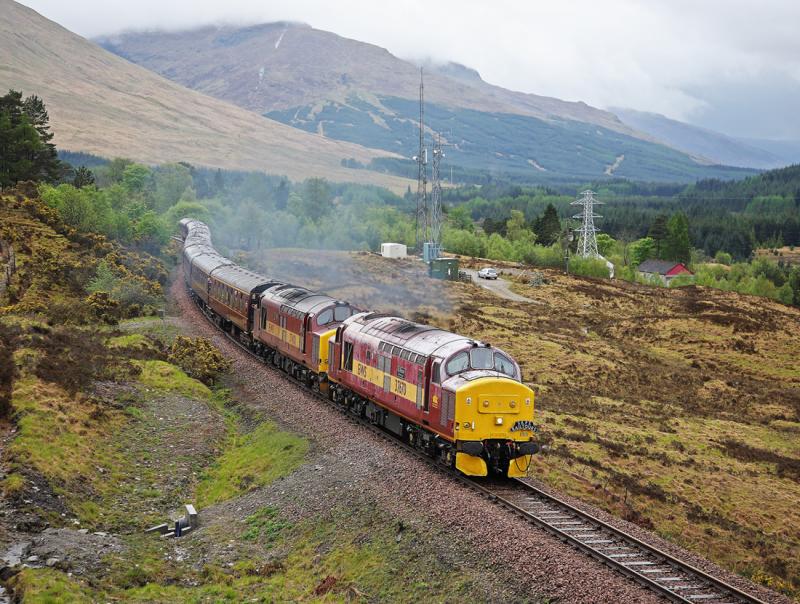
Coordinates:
column 666, row 270
column 393, row 250
column 444, row 268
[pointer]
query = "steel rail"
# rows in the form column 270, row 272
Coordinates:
column 679, row 581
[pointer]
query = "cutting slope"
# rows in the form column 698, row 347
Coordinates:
column 102, row 104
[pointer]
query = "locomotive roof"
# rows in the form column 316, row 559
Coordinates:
column 415, row 337
column 298, row 297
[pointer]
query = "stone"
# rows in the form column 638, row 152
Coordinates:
column 159, row 528
column 191, row 514
column 52, row 562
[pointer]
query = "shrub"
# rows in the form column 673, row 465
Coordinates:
column 589, row 267
column 723, row 258
column 199, row 358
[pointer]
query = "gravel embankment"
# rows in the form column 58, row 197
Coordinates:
column 348, row 463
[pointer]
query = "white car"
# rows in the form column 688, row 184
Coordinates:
column 487, row 273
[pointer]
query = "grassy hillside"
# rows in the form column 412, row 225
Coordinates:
column 101, row 104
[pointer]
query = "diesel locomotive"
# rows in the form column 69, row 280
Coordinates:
column 459, row 400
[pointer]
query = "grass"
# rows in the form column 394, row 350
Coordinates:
column 251, row 461
column 59, row 435
column 169, row 378
column 12, row 484
column 350, row 555
column 49, row 586
column 265, row 525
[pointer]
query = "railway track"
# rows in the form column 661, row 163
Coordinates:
column 649, row 566
column 652, row 568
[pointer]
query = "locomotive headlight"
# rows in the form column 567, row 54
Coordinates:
column 469, row 400
column 512, row 404
column 498, row 421
column 527, row 401
column 485, row 403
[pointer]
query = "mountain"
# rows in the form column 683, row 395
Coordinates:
column 104, row 105
column 320, row 82
column 787, row 150
column 700, row 141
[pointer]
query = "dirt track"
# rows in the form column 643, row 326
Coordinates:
column 499, row 286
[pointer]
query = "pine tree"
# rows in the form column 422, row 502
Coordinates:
column 84, row 177
column 658, row 232
column 547, row 227
column 46, row 162
column 677, row 245
column 26, row 152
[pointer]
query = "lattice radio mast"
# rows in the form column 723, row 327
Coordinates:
column 422, row 174
column 436, row 199
column 587, row 233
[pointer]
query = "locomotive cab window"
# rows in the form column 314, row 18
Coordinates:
column 325, row 317
column 458, row 363
column 436, row 377
column 340, row 313
column 481, row 358
column 504, row 365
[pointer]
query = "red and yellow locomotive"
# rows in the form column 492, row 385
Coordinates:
column 459, row 400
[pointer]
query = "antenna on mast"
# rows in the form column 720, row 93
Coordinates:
column 435, row 244
column 421, row 221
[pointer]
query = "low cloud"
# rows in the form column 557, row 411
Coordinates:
column 668, row 56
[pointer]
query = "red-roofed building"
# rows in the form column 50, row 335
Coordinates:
column 666, row 270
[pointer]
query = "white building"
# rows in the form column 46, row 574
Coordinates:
column 393, row 250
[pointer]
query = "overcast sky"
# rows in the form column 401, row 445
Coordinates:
column 731, row 65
